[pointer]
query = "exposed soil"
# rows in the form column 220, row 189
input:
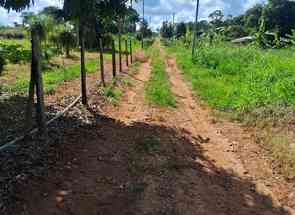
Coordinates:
column 134, row 158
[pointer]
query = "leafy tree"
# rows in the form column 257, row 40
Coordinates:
column 167, row 30
column 216, row 18
column 144, row 31
column 180, row 30
column 280, row 15
column 54, row 12
column 16, row 5
column 68, row 41
column 253, row 15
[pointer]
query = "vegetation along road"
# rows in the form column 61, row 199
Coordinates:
column 103, row 114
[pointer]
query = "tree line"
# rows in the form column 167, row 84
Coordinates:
column 274, row 20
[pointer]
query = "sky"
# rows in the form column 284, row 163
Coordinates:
column 156, row 11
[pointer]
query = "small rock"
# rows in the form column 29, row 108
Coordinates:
column 59, row 199
column 63, row 193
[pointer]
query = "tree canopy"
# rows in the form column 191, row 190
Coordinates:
column 16, row 5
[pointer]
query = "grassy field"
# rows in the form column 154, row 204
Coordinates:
column 239, row 78
column 157, row 90
column 252, row 85
column 52, row 78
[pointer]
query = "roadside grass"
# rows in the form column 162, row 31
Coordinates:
column 114, row 91
column 52, row 78
column 254, row 86
column 157, row 89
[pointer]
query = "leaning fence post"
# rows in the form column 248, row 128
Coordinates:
column 114, row 58
column 37, row 73
column 131, row 54
column 126, row 52
column 101, row 61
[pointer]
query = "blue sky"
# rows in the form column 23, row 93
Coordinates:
column 157, row 10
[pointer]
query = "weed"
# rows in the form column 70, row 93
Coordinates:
column 112, row 93
column 158, row 89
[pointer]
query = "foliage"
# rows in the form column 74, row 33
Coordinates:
column 180, row 30
column 167, row 30
column 216, row 18
column 15, row 53
column 53, row 78
column 68, row 40
column 240, row 78
column 2, row 61
column 157, row 90
column 15, row 5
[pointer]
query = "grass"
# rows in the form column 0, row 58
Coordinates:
column 52, row 78
column 239, row 78
column 252, row 85
column 157, row 89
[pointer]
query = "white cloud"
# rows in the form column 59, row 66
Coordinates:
column 157, row 11
column 8, row 18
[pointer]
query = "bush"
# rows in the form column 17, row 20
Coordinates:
column 15, row 53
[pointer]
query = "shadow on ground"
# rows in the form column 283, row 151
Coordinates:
column 95, row 165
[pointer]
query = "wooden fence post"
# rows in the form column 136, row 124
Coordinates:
column 114, row 58
column 83, row 69
column 126, row 52
column 120, row 54
column 36, row 81
column 101, row 62
column 131, row 54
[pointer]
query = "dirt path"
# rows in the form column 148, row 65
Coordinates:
column 138, row 159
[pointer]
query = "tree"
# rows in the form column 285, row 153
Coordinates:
column 253, row 15
column 216, row 18
column 54, row 12
column 180, row 30
column 83, row 12
column 167, row 30
column 144, row 31
column 18, row 5
column 280, row 16
column 68, row 40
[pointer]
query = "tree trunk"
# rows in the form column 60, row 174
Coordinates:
column 131, row 54
column 67, row 52
column 101, row 62
column 114, row 58
column 36, row 71
column 120, row 52
column 83, row 69
column 126, row 52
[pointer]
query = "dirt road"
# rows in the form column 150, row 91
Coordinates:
column 138, row 159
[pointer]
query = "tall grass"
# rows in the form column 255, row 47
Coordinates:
column 239, row 78
column 256, row 85
column 158, row 90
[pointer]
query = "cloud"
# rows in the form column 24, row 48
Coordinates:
column 156, row 11
column 8, row 18
column 159, row 10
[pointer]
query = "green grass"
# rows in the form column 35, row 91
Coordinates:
column 233, row 78
column 252, row 85
column 53, row 78
column 157, row 89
